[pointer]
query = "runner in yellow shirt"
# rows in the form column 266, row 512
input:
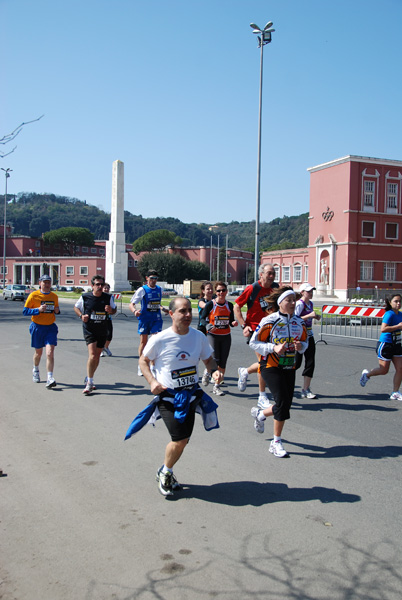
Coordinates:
column 41, row 306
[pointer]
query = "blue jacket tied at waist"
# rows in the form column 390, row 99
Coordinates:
column 206, row 407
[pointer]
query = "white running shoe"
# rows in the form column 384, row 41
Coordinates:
column 217, row 390
column 277, row 449
column 258, row 425
column 51, row 383
column 86, row 381
column 103, row 353
column 175, row 484
column 243, row 377
column 364, row 379
column 88, row 389
column 263, row 402
column 35, row 376
column 308, row 394
column 139, row 372
column 396, row 396
column 206, row 377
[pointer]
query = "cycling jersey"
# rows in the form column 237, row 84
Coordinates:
column 278, row 328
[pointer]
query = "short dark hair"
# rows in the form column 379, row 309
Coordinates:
column 99, row 278
column 222, row 284
column 152, row 272
column 172, row 303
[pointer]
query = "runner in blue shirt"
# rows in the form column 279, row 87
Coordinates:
column 149, row 314
column 389, row 347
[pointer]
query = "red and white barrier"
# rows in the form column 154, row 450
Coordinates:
column 354, row 311
column 117, row 296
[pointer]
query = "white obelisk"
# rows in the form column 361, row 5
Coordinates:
column 116, row 255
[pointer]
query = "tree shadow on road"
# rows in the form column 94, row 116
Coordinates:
column 253, row 493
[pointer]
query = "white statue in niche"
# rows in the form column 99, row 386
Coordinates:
column 324, row 275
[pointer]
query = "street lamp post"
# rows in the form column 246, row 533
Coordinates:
column 264, row 38
column 7, row 174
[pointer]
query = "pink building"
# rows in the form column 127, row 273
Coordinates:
column 355, row 230
column 28, row 258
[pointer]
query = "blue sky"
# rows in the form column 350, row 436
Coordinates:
column 170, row 87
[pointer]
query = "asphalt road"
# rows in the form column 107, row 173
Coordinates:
column 81, row 516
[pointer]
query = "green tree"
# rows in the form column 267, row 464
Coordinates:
column 172, row 268
column 69, row 237
column 156, row 240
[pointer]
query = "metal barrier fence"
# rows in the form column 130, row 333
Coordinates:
column 360, row 322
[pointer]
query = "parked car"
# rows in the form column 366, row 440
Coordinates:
column 168, row 292
column 16, row 291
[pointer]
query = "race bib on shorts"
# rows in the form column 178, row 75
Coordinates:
column 287, row 361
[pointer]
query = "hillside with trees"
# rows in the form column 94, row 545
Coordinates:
column 35, row 214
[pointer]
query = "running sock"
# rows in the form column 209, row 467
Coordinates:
column 90, row 380
column 261, row 416
column 49, row 374
column 277, row 438
column 165, row 469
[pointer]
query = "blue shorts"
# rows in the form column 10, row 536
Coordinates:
column 386, row 351
column 43, row 335
column 149, row 327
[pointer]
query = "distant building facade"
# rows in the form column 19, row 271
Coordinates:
column 355, row 230
column 29, row 258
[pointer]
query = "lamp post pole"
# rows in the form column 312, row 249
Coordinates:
column 7, row 174
column 264, row 38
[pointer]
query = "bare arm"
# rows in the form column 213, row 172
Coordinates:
column 145, row 366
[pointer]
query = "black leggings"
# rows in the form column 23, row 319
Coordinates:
column 281, row 383
column 309, row 359
column 221, row 345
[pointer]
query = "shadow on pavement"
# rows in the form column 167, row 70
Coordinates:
column 252, row 493
column 372, row 452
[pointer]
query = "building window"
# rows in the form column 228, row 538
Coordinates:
column 277, row 273
column 1, row 270
column 305, row 272
column 389, row 271
column 136, row 263
column 391, row 231
column 368, row 229
column 368, row 201
column 102, row 251
column 93, row 250
column 297, row 273
column 70, row 281
column 392, row 197
column 69, row 271
column 229, row 275
column 286, row 274
column 83, row 270
column 84, row 249
column 37, row 244
column 366, row 270
column 84, row 281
